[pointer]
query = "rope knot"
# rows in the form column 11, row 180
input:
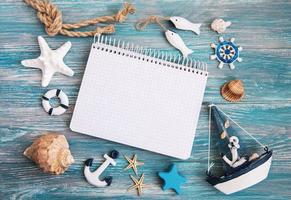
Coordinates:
column 141, row 24
column 107, row 29
column 122, row 14
column 153, row 19
column 51, row 17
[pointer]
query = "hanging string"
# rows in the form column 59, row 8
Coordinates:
column 209, row 166
column 241, row 128
column 141, row 24
column 51, row 17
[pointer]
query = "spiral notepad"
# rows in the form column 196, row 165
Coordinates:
column 142, row 98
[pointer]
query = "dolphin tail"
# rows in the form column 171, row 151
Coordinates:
column 196, row 28
column 186, row 52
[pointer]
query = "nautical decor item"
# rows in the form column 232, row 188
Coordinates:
column 51, row 17
column 238, row 172
column 94, row 177
column 50, row 61
column 173, row 38
column 184, row 24
column 133, row 163
column 176, row 41
column 233, row 90
column 219, row 25
column 172, row 179
column 226, row 52
column 51, row 153
column 138, row 184
column 64, row 105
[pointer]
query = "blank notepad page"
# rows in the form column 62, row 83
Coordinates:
column 139, row 101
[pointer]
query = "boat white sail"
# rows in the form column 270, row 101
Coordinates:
column 239, row 172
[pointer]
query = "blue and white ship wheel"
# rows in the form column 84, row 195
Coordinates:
column 226, row 52
column 55, row 110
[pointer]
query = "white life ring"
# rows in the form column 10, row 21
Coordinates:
column 64, row 105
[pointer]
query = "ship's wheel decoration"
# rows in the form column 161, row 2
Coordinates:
column 226, row 52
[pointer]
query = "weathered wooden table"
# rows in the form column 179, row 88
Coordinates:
column 262, row 28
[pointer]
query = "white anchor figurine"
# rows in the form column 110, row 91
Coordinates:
column 93, row 177
column 235, row 160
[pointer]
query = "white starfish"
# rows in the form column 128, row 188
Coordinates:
column 50, row 61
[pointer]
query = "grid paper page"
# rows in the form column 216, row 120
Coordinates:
column 139, row 103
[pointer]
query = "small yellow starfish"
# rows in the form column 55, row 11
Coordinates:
column 138, row 184
column 133, row 163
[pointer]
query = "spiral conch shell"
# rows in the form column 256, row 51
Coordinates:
column 233, row 90
column 219, row 25
column 51, row 153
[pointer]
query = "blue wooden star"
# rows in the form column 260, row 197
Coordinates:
column 172, row 179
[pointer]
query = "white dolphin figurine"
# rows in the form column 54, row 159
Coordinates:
column 184, row 24
column 176, row 41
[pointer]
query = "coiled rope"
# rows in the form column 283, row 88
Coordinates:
column 51, row 17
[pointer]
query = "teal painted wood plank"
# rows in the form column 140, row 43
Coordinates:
column 24, row 179
column 261, row 27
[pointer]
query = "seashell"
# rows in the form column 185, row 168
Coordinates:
column 254, row 156
column 223, row 135
column 51, row 153
column 233, row 90
column 219, row 25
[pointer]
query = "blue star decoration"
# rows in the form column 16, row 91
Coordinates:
column 172, row 179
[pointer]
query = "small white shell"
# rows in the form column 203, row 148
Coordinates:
column 219, row 25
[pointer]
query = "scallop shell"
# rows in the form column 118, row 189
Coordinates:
column 219, row 25
column 233, row 91
column 51, row 153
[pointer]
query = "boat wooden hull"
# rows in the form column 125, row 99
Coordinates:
column 245, row 180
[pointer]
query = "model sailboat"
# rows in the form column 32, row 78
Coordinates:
column 238, row 172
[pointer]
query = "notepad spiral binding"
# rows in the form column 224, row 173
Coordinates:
column 122, row 48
